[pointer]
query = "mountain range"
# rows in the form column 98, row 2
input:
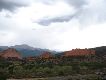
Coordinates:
column 27, row 51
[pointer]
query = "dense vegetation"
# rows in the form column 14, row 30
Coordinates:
column 56, row 66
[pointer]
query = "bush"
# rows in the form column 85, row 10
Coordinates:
column 3, row 74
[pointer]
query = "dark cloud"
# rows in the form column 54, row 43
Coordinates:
column 10, row 5
column 48, row 21
column 76, row 3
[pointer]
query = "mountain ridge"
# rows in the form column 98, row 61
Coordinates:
column 27, row 50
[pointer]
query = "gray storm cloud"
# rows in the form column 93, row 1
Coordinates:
column 48, row 21
column 11, row 5
column 78, row 4
column 88, row 12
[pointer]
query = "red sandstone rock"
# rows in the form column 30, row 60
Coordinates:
column 10, row 53
column 31, row 58
column 79, row 52
column 46, row 55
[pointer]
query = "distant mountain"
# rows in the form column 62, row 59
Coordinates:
column 23, row 46
column 3, row 48
column 26, row 50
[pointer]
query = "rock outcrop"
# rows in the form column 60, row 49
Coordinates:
column 46, row 55
column 10, row 53
column 79, row 52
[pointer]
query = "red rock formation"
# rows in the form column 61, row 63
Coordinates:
column 46, row 55
column 79, row 52
column 31, row 58
column 10, row 53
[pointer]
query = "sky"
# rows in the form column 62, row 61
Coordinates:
column 53, row 24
